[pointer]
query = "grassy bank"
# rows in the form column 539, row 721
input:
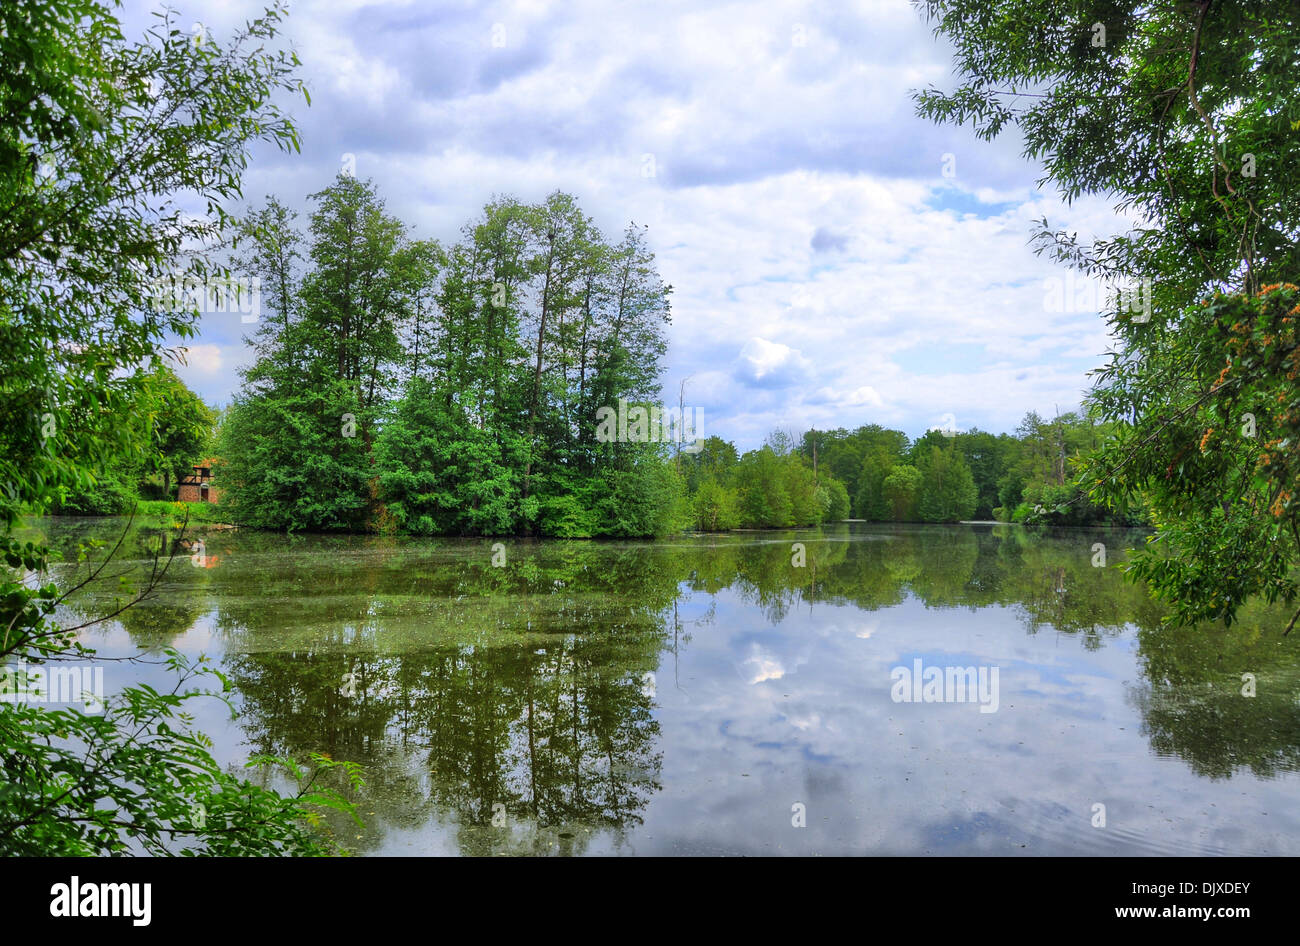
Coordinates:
column 197, row 512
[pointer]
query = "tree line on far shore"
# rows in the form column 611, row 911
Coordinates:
column 880, row 475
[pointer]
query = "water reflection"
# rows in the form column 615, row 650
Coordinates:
column 686, row 696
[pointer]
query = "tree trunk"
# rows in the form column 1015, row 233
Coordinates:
column 537, row 372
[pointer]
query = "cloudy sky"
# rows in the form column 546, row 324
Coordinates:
column 836, row 260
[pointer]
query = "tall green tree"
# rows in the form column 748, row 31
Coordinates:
column 298, row 445
column 269, row 244
column 354, row 299
column 947, row 492
column 901, row 489
column 1186, row 114
column 101, row 140
column 764, row 499
column 870, row 502
column 182, row 425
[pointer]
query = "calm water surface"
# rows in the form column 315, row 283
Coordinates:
column 705, row 694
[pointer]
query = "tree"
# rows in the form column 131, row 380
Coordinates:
column 834, row 497
column 764, row 502
column 807, row 507
column 781, row 442
column 272, row 248
column 99, row 138
column 901, row 488
column 947, row 492
column 1187, row 115
column 1223, row 474
column 870, row 501
column 354, row 299
column 986, row 455
column 182, row 425
column 715, row 459
column 440, row 475
column 716, row 508
column 645, row 500
column 297, row 460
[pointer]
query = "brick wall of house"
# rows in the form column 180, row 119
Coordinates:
column 191, row 489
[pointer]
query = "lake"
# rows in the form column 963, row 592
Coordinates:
column 748, row 693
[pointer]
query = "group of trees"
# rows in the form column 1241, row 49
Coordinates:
column 946, row 476
column 403, row 385
column 176, row 429
column 771, row 487
column 880, row 475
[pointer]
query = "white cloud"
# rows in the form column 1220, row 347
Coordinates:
column 864, row 396
column 203, row 359
column 770, row 364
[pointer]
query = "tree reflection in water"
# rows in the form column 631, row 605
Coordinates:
column 518, row 702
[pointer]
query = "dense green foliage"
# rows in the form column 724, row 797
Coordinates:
column 1187, row 115
column 100, row 137
column 879, row 475
column 957, row 475
column 1223, row 483
column 403, row 386
column 173, row 430
column 771, row 487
